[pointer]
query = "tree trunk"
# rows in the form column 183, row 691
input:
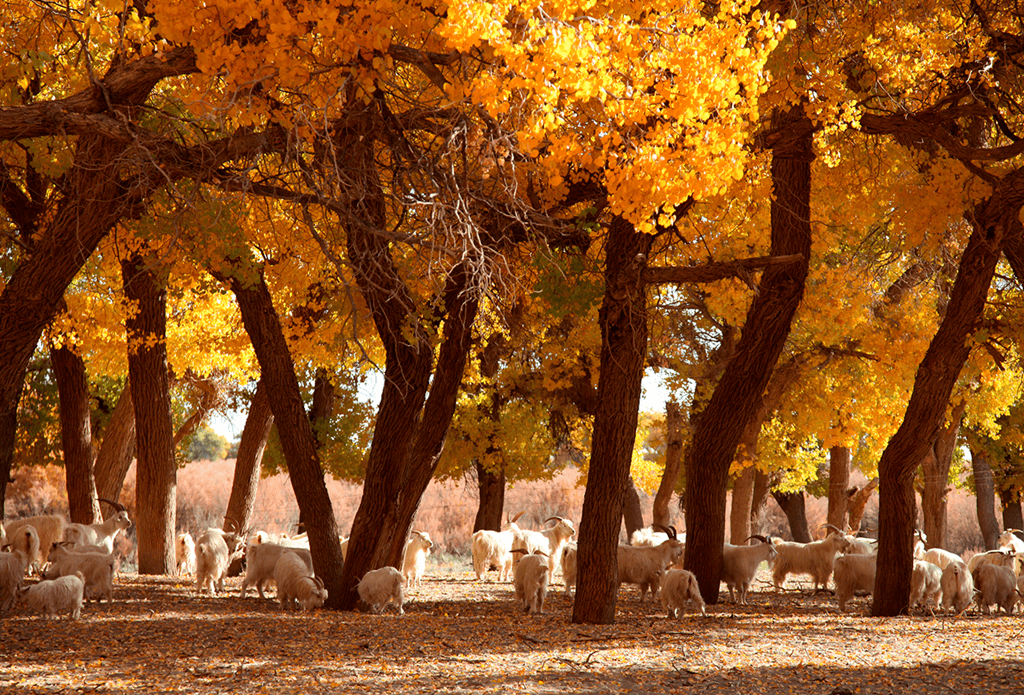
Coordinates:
column 759, row 501
column 793, row 505
column 491, row 513
column 297, row 440
column 258, row 423
column 117, row 451
column 739, row 513
column 320, row 412
column 623, row 320
column 933, row 385
column 673, row 457
column 838, row 481
column 631, row 513
column 1010, row 501
column 739, row 392
column 156, row 473
column 935, row 468
column 76, row 434
column 857, row 502
column 985, row 496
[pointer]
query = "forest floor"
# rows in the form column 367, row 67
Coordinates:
column 463, row 636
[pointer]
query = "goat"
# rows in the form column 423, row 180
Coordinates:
column 96, row 568
column 13, row 566
column 25, row 542
column 296, row 583
column 185, row 555
column 925, row 583
column 854, row 574
column 939, row 557
column 414, row 559
column 740, row 563
column 262, row 562
column 101, row 534
column 678, row 588
column 644, row 565
column 531, row 581
column 493, row 549
column 49, row 528
column 213, row 553
column 957, row 587
column 994, row 584
column 816, row 559
column 569, row 566
column 1010, row 539
column 550, row 541
column 53, row 596
column 380, row 588
column 1004, row 557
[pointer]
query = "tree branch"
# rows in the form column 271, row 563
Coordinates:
column 711, row 272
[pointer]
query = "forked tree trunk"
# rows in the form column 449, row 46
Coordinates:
column 117, row 451
column 739, row 392
column 258, row 423
column 795, row 508
column 985, row 496
column 490, row 513
column 156, row 473
column 935, row 469
column 623, row 319
column 76, row 434
column 673, row 458
column 992, row 220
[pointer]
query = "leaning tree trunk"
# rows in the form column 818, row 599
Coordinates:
column 76, row 434
column 739, row 392
column 992, row 220
column 838, row 481
column 794, row 506
column 117, row 450
column 857, row 503
column 156, row 472
column 673, row 457
column 935, row 468
column 985, row 496
column 258, row 423
column 490, row 513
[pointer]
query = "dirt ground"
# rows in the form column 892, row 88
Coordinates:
column 463, row 636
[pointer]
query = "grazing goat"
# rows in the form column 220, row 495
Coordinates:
column 101, row 534
column 994, row 584
column 925, row 584
column 550, row 541
column 957, row 587
column 854, row 574
column 213, row 553
column 740, row 563
column 816, row 559
column 493, row 550
column 531, row 582
column 939, row 557
column 414, row 560
column 261, row 562
column 96, row 567
column 678, row 588
column 296, row 583
column 569, row 566
column 644, row 565
column 49, row 529
column 380, row 588
column 54, row 596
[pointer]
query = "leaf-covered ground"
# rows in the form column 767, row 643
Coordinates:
column 463, row 636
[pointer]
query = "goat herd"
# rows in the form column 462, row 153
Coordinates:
column 76, row 562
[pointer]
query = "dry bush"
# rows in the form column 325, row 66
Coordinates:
column 962, row 529
column 36, row 490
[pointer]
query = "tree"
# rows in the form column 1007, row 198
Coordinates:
column 207, row 445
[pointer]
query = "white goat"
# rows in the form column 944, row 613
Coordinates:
column 925, row 584
column 957, row 587
column 740, row 563
column 1003, row 557
column 296, row 583
column 854, row 574
column 49, row 528
column 994, row 584
column 857, row 544
column 678, row 588
column 185, row 555
column 101, row 534
column 380, row 588
column 96, row 568
column 550, row 541
column 816, row 559
column 54, row 596
column 531, row 582
column 648, row 536
column 939, row 557
column 261, row 563
column 569, row 566
column 25, row 542
column 493, row 550
column 213, row 552
column 644, row 565
column 13, row 566
column 1010, row 539
column 414, row 559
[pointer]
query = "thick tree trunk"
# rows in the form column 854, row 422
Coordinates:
column 759, row 501
column 491, row 513
column 1009, row 499
column 838, row 481
column 631, row 512
column 76, row 434
column 935, row 469
column 673, row 458
column 739, row 512
column 117, row 451
column 623, row 319
column 794, row 506
column 985, row 496
column 297, row 440
column 156, row 473
column 933, row 385
column 739, row 392
column 258, row 423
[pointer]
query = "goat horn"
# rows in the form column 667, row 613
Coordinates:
column 319, row 582
column 234, row 523
column 516, row 517
column 757, row 536
column 834, row 528
column 116, row 505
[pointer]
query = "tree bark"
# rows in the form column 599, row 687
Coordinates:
column 992, row 220
column 838, row 482
column 491, row 512
column 739, row 513
column 759, row 501
column 320, row 412
column 985, row 497
column 673, row 458
column 935, row 469
column 117, row 451
column 857, row 502
column 156, row 473
column 258, row 423
column 76, row 434
column 631, row 513
column 1010, row 501
column 623, row 320
column 794, row 506
column 739, row 392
